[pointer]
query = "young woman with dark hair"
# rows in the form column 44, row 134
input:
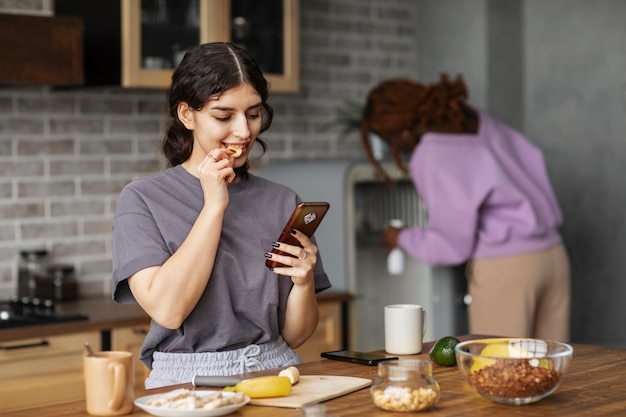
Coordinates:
column 190, row 243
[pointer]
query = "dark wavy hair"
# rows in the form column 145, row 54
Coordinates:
column 206, row 71
column 396, row 105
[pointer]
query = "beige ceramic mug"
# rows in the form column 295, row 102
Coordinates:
column 109, row 383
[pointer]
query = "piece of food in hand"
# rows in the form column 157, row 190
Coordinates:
column 292, row 373
column 237, row 150
column 263, row 387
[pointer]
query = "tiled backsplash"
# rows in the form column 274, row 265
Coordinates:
column 66, row 154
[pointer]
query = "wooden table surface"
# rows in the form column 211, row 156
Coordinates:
column 595, row 385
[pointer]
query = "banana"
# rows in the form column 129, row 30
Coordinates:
column 263, row 387
column 292, row 373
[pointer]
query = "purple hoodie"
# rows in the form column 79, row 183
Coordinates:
column 487, row 195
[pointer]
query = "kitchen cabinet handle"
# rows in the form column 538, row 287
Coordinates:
column 140, row 330
column 25, row 345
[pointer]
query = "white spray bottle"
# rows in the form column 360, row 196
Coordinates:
column 395, row 259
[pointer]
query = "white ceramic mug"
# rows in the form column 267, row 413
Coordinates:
column 405, row 325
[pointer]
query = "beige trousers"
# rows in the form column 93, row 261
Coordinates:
column 525, row 295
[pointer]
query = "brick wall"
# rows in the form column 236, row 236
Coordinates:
column 66, row 154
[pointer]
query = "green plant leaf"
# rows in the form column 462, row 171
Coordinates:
column 348, row 118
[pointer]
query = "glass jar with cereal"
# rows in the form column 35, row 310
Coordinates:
column 405, row 385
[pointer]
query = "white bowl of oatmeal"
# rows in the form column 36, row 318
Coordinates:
column 513, row 371
column 191, row 403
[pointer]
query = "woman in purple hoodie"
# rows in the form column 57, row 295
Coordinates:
column 489, row 203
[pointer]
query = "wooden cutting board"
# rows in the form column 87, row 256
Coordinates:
column 315, row 389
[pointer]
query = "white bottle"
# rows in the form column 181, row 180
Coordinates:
column 395, row 259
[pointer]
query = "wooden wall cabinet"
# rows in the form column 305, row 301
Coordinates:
column 41, row 50
column 146, row 39
column 43, row 371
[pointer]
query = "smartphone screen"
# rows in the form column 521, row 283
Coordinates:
column 361, row 358
column 306, row 217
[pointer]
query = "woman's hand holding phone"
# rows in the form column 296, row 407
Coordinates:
column 295, row 261
column 305, row 220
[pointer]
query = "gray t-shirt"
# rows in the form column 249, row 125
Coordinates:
column 244, row 302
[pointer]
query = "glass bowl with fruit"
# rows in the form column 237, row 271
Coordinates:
column 513, row 371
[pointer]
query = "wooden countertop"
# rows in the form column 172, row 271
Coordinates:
column 593, row 386
column 105, row 314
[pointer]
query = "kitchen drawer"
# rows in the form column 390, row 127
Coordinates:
column 131, row 339
column 43, row 370
column 327, row 335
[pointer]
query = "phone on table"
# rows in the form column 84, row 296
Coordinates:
column 306, row 217
column 362, row 358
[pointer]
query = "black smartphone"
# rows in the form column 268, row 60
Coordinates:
column 306, row 217
column 362, row 358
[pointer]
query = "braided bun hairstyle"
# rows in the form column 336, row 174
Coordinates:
column 399, row 105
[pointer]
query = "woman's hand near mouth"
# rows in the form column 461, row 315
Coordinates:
column 216, row 172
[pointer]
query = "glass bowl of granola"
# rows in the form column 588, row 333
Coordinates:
column 513, row 371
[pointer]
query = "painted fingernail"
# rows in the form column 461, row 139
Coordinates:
column 268, row 255
column 275, row 244
column 293, row 231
